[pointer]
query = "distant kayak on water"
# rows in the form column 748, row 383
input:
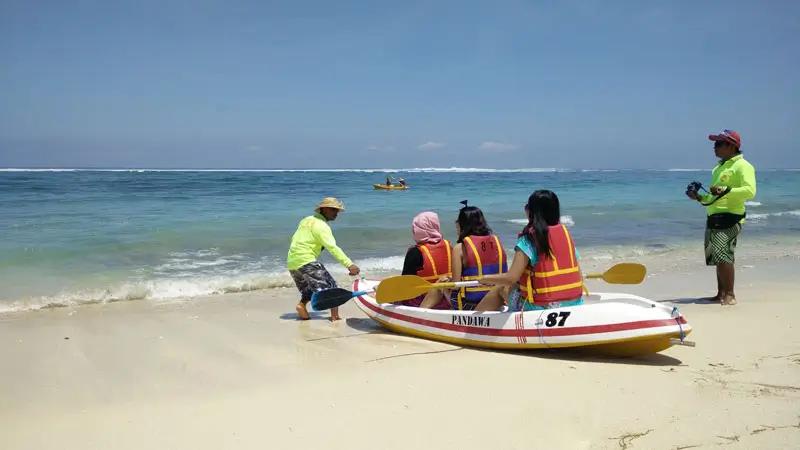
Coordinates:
column 390, row 188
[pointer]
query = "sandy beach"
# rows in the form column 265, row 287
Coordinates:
column 238, row 371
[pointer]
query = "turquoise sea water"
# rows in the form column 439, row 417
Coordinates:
column 82, row 236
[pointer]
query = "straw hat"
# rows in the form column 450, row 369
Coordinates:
column 330, row 202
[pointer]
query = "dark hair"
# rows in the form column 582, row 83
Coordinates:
column 472, row 222
column 544, row 211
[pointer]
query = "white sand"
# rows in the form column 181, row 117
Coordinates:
column 227, row 372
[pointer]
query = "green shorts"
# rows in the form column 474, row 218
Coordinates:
column 720, row 244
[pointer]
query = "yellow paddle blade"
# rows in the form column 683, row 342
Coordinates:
column 402, row 287
column 622, row 273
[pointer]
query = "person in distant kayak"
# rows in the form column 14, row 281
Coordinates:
column 430, row 259
column 477, row 253
column 388, row 181
column 545, row 272
column 733, row 181
column 312, row 236
column 401, row 181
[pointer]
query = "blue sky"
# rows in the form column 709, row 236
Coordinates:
column 291, row 84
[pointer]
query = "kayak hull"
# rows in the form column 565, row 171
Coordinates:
column 608, row 324
column 389, row 188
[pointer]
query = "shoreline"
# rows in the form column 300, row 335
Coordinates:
column 659, row 261
column 239, row 371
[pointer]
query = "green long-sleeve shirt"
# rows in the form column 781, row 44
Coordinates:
column 740, row 176
column 312, row 236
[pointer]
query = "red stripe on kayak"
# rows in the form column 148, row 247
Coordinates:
column 571, row 331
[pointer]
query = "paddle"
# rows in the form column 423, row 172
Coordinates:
column 404, row 287
column 331, row 298
column 622, row 273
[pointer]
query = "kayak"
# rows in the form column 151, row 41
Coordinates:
column 609, row 324
column 389, row 188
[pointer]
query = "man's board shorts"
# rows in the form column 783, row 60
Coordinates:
column 720, row 244
column 311, row 278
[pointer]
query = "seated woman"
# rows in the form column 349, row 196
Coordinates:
column 545, row 272
column 429, row 259
column 479, row 254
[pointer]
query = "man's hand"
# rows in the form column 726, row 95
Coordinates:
column 716, row 190
column 354, row 270
column 692, row 195
column 444, row 279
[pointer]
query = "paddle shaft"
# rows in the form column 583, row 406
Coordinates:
column 456, row 284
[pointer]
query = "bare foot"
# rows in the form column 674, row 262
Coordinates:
column 335, row 314
column 729, row 300
column 716, row 299
column 301, row 311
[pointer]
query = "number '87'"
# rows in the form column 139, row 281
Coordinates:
column 557, row 319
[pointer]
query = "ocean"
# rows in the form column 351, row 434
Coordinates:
column 87, row 236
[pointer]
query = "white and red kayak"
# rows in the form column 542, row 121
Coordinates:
column 611, row 324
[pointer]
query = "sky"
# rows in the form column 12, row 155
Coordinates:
column 375, row 84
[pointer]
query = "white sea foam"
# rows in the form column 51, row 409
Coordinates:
column 184, row 276
column 763, row 216
column 566, row 220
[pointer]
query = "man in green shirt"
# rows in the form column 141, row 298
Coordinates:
column 312, row 236
column 733, row 181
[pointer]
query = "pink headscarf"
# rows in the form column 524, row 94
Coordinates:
column 425, row 228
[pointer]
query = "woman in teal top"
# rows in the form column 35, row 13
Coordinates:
column 514, row 303
column 544, row 212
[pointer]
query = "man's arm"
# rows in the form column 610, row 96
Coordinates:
column 748, row 188
column 324, row 235
column 704, row 198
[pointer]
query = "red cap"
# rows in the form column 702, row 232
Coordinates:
column 727, row 136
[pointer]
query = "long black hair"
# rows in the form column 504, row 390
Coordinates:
column 472, row 222
column 543, row 211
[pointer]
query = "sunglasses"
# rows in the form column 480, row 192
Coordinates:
column 720, row 144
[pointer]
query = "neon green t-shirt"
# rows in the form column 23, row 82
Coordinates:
column 740, row 176
column 312, row 236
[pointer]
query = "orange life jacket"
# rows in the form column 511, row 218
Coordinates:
column 554, row 279
column 484, row 256
column 436, row 260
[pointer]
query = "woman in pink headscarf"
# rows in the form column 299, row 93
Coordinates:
column 430, row 258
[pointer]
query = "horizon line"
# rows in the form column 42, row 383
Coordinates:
column 23, row 168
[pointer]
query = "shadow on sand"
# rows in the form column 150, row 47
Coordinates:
column 585, row 356
column 689, row 301
column 312, row 315
column 368, row 326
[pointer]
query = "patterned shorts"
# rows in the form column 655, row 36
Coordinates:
column 517, row 303
column 465, row 305
column 416, row 301
column 311, row 278
column 720, row 244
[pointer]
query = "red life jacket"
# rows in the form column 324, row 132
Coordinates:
column 484, row 255
column 436, row 260
column 554, row 279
